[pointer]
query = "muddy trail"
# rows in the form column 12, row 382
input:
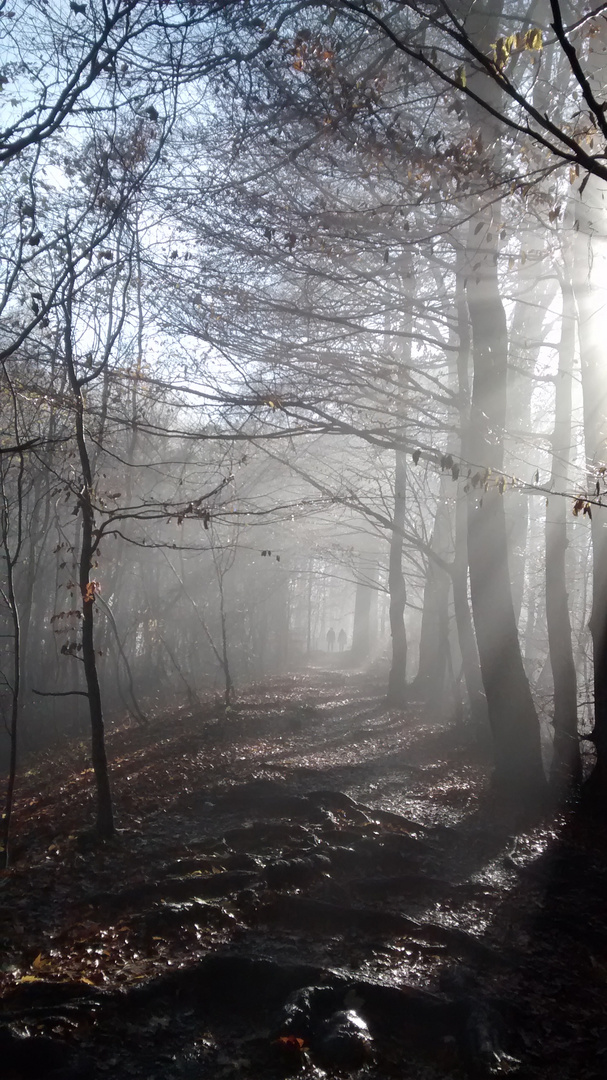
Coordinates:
column 307, row 884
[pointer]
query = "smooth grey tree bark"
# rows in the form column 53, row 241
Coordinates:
column 565, row 770
column 397, row 679
column 518, row 761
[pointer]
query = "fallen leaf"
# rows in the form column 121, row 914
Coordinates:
column 40, row 963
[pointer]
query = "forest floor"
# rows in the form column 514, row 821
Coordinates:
column 311, row 883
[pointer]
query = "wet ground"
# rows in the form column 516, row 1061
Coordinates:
column 308, row 883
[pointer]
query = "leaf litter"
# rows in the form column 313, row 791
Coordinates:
column 311, row 841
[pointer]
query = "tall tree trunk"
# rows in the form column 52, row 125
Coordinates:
column 309, row 607
column 566, row 765
column 11, row 552
column 397, row 586
column 397, row 680
column 360, row 634
column 459, row 574
column 227, row 674
column 466, row 637
column 534, row 296
column 13, row 727
column 105, row 816
column 590, row 267
column 429, row 683
column 513, row 720
column 514, row 724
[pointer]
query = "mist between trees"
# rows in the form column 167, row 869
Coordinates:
column 301, row 329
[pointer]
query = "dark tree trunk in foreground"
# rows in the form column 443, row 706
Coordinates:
column 13, row 729
column 512, row 717
column 565, row 771
column 397, row 680
column 12, row 521
column 105, row 817
column 14, row 679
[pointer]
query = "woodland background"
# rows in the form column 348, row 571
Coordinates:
column 301, row 329
column 303, row 575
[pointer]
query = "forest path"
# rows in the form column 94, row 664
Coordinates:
column 309, row 882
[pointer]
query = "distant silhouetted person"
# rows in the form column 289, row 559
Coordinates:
column 330, row 639
column 342, row 639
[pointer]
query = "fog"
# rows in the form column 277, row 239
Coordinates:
column 302, row 369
